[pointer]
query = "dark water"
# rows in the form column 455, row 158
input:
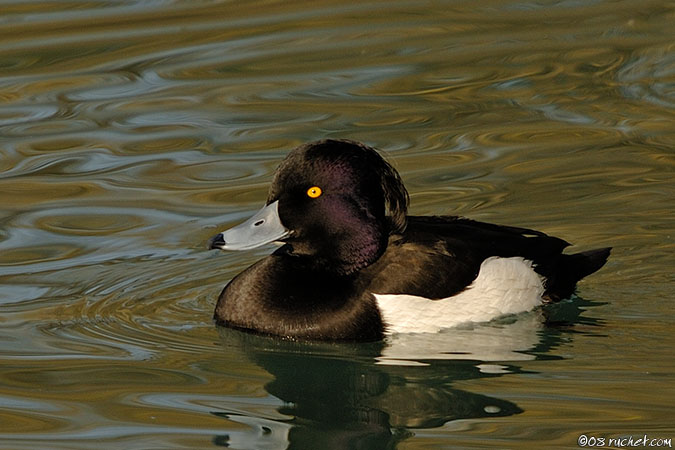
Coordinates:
column 130, row 132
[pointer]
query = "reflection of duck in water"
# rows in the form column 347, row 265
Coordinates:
column 347, row 271
column 338, row 396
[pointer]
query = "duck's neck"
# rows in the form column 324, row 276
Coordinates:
column 339, row 260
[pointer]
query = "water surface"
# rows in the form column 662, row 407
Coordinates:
column 133, row 131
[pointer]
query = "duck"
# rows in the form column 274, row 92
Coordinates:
column 352, row 265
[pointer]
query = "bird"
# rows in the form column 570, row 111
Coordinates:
column 352, row 265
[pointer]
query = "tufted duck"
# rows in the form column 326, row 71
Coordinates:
column 354, row 266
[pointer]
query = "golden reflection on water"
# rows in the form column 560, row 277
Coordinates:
column 132, row 132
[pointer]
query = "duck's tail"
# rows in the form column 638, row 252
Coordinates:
column 572, row 268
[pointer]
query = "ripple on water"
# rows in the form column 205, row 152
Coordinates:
column 122, row 309
column 16, row 293
column 31, row 254
column 76, row 173
column 84, row 223
column 20, row 114
column 647, row 76
column 60, row 238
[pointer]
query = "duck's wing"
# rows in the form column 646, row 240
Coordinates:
column 439, row 256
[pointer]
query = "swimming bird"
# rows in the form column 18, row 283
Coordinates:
column 354, row 266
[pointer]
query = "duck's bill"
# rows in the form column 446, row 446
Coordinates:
column 264, row 227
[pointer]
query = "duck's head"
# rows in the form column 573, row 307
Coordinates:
column 328, row 202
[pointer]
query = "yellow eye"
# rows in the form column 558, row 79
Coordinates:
column 314, row 192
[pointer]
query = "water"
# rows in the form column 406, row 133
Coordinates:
column 132, row 131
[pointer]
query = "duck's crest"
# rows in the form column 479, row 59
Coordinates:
column 395, row 194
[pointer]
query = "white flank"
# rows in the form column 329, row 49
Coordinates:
column 503, row 286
